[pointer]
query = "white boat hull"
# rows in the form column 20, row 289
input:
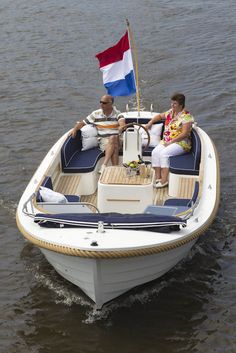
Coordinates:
column 105, row 279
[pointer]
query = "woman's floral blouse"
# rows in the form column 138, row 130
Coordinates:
column 174, row 127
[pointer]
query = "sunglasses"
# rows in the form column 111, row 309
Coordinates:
column 101, row 102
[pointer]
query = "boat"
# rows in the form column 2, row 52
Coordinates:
column 109, row 233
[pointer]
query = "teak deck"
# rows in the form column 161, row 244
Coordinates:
column 118, row 175
column 68, row 184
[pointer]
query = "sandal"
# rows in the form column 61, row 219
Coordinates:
column 159, row 185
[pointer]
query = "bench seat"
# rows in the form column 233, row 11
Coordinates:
column 83, row 161
column 74, row 160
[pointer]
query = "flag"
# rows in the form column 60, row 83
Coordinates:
column 117, row 67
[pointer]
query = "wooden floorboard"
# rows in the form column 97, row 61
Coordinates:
column 68, row 184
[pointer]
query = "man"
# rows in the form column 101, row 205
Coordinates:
column 109, row 122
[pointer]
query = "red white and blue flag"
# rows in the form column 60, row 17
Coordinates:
column 117, row 67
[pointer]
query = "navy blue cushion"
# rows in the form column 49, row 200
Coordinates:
column 69, row 148
column 137, row 120
column 76, row 161
column 72, row 198
column 148, row 151
column 188, row 163
column 177, row 202
column 110, row 220
column 83, row 161
column 47, row 183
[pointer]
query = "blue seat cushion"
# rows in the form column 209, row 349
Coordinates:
column 74, row 160
column 83, row 161
column 148, row 151
column 72, row 198
column 177, row 202
column 110, row 220
column 188, row 163
column 47, row 183
column 184, row 164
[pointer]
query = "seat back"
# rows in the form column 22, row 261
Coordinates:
column 132, row 145
column 47, row 183
column 196, row 148
column 69, row 148
column 195, row 194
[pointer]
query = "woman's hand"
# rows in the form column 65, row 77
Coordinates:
column 148, row 126
column 167, row 143
column 156, row 118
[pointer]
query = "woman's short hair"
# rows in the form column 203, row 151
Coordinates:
column 180, row 98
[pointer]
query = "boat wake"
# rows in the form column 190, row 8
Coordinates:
column 63, row 294
column 46, row 276
column 128, row 300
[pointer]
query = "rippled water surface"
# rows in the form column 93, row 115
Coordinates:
column 49, row 79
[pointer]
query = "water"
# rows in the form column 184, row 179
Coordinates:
column 50, row 79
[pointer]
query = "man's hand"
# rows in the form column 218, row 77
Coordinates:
column 73, row 132
column 77, row 127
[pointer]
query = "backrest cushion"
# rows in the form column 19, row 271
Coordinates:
column 89, row 137
column 196, row 148
column 195, row 194
column 69, row 148
column 49, row 195
column 155, row 135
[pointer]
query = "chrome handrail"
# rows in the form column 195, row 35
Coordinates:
column 25, row 206
column 32, row 213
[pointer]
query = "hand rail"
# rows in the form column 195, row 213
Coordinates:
column 32, row 213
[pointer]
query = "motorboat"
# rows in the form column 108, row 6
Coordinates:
column 112, row 231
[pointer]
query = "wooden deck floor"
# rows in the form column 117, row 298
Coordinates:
column 68, row 184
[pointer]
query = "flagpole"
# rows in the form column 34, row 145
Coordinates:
column 135, row 66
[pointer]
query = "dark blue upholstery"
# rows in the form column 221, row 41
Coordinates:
column 76, row 161
column 139, row 121
column 47, row 183
column 110, row 220
column 188, row 163
column 184, row 202
column 72, row 198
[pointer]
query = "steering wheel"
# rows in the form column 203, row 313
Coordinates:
column 126, row 126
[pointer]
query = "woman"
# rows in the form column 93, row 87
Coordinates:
column 176, row 137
